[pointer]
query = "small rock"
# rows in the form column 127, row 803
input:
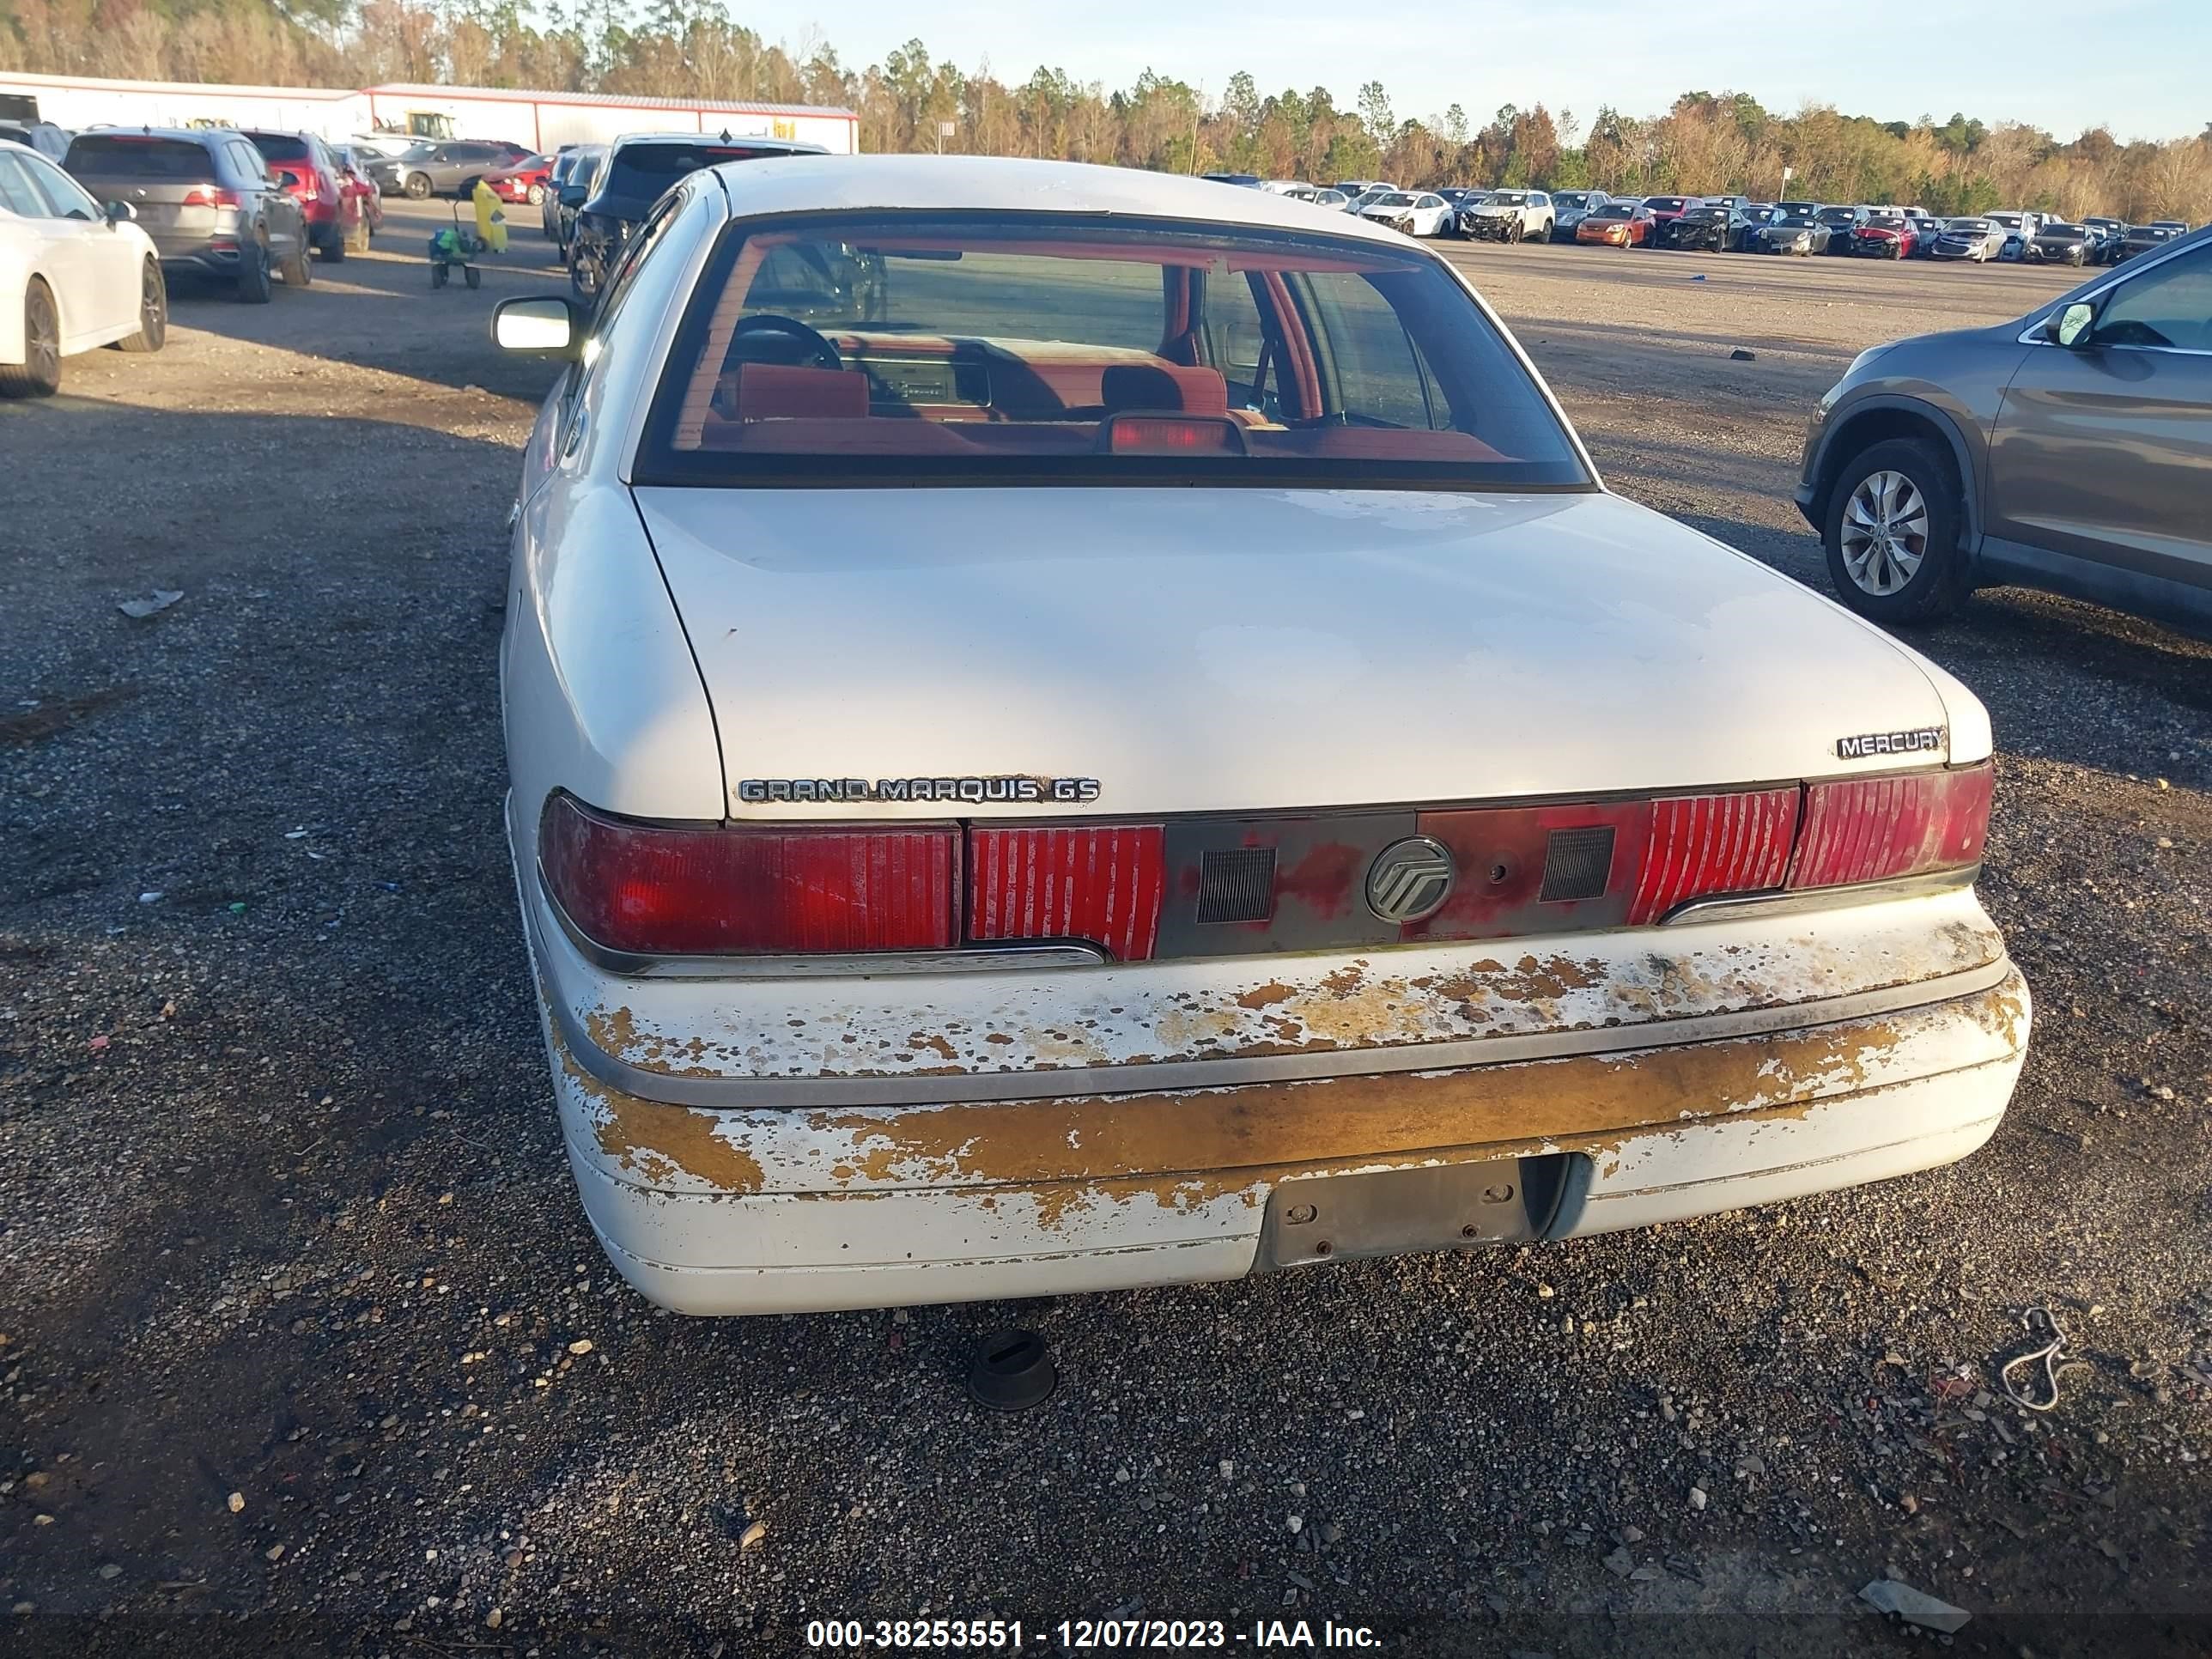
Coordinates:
column 1740, row 355
column 1546, row 1291
column 274, row 1552
column 1331, row 1532
column 900, row 1317
column 493, row 1618
column 1632, row 1535
column 1645, row 1575
column 1698, row 1498
column 1228, row 1469
column 580, row 1346
column 24, row 1609
column 236, row 1501
column 110, row 1571
column 1915, row 1607
column 753, row 1536
column 1620, row 1563
column 1296, row 1522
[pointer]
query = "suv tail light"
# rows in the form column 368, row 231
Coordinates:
column 647, row 890
column 1910, row 824
column 210, row 196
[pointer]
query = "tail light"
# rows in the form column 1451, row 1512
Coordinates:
column 648, row 890
column 653, row 890
column 1703, row 845
column 1101, row 884
column 210, row 195
column 1911, row 823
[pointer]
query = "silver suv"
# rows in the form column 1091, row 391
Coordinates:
column 206, row 198
column 2070, row 450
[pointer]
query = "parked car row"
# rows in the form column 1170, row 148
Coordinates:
column 1727, row 224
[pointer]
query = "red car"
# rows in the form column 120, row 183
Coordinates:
column 353, row 181
column 303, row 164
column 1889, row 237
column 1616, row 224
column 523, row 182
column 1665, row 209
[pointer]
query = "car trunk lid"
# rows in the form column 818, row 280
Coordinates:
column 1251, row 651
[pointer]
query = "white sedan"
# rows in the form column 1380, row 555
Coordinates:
column 72, row 276
column 1068, row 728
column 1417, row 213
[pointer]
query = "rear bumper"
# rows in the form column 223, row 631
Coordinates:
column 198, row 260
column 761, row 1211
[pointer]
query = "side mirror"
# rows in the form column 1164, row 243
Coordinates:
column 117, row 212
column 540, row 324
column 2071, row 326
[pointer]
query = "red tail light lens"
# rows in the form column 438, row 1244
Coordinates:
column 210, row 196
column 1101, row 884
column 648, row 890
column 1701, row 845
column 1863, row 829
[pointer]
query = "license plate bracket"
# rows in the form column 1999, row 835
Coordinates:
column 1318, row 1219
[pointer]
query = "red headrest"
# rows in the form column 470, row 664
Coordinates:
column 779, row 391
column 1164, row 386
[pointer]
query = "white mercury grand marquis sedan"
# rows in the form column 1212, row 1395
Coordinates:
column 1073, row 729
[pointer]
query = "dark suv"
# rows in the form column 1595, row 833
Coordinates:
column 634, row 175
column 207, row 199
column 2070, row 449
column 446, row 169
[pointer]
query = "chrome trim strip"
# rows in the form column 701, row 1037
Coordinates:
column 1159, row 1077
column 1818, row 898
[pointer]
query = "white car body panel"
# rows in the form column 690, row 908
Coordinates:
column 92, row 268
column 1323, row 647
column 788, row 1139
column 1426, row 221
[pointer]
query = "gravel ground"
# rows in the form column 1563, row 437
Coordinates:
column 305, row 1346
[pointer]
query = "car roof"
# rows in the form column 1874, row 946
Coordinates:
column 189, row 135
column 788, row 146
column 805, row 184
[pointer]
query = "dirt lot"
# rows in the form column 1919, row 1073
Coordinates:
column 295, row 1289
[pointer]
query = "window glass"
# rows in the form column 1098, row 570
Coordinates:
column 130, row 156
column 2168, row 306
column 15, row 192
column 63, row 194
column 1058, row 348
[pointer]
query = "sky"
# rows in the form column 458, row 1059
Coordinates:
column 2133, row 66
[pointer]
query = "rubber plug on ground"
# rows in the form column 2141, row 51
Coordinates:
column 1011, row 1371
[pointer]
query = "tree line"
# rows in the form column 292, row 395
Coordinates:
column 1706, row 141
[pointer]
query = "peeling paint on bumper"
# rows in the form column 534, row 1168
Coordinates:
column 785, row 1210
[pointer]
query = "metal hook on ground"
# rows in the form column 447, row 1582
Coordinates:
column 2049, row 1347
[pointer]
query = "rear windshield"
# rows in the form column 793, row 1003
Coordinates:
column 281, row 147
column 122, row 157
column 1665, row 204
column 1969, row 224
column 1572, row 198
column 1035, row 348
column 1509, row 197
column 642, row 173
column 1838, row 216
